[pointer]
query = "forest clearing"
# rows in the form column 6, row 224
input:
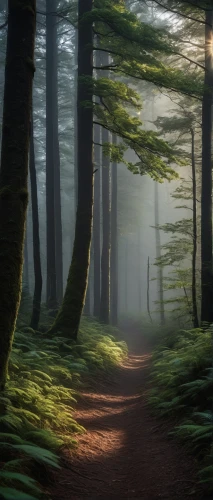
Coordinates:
column 106, row 257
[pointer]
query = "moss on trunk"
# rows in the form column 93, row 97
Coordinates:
column 14, row 167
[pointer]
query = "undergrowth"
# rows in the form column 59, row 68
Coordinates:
column 36, row 409
column 182, row 387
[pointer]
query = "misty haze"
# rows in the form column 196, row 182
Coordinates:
column 106, row 258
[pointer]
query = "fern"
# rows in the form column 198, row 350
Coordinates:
column 13, row 494
column 182, row 384
column 38, row 403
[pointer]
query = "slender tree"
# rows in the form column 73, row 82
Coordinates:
column 105, row 254
column 76, row 124
column 194, row 249
column 19, row 73
column 50, row 185
column 53, row 190
column 97, row 210
column 126, row 276
column 69, row 316
column 147, row 292
column 96, row 220
column 158, row 256
column 139, row 272
column 36, row 240
column 206, row 189
column 57, row 186
column 114, row 241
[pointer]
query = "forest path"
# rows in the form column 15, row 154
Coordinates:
column 126, row 452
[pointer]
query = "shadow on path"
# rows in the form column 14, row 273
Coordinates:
column 125, row 453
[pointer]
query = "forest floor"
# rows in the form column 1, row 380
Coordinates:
column 126, row 451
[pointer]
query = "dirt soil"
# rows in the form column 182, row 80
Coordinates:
column 126, row 452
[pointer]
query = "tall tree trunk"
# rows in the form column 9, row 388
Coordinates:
column 50, row 155
column 206, row 189
column 76, row 125
column 96, row 221
column 87, row 305
column 26, row 264
column 19, row 73
column 105, row 256
column 97, row 211
column 194, row 251
column 126, row 278
column 147, row 292
column 36, row 240
column 57, row 167
column 69, row 316
column 114, row 241
column 158, row 255
column 139, row 271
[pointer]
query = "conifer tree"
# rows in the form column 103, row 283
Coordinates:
column 114, row 241
column 19, row 73
column 36, row 238
column 154, row 156
column 68, row 318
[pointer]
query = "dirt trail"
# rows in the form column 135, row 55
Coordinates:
column 125, row 453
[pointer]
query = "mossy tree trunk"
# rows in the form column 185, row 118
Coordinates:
column 206, row 189
column 19, row 73
column 68, row 318
column 36, row 240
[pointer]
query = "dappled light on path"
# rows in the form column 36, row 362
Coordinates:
column 125, row 452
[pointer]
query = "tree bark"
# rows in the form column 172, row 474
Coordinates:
column 69, row 316
column 147, row 292
column 114, row 242
column 126, row 277
column 57, row 168
column 206, row 189
column 76, row 125
column 194, row 251
column 96, row 222
column 50, row 159
column 139, row 271
column 36, row 240
column 26, row 282
column 19, row 73
column 97, row 216
column 105, row 256
column 158, row 255
column 87, row 305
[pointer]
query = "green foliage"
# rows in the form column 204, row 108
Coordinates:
column 182, row 379
column 136, row 46
column 36, row 417
column 154, row 155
